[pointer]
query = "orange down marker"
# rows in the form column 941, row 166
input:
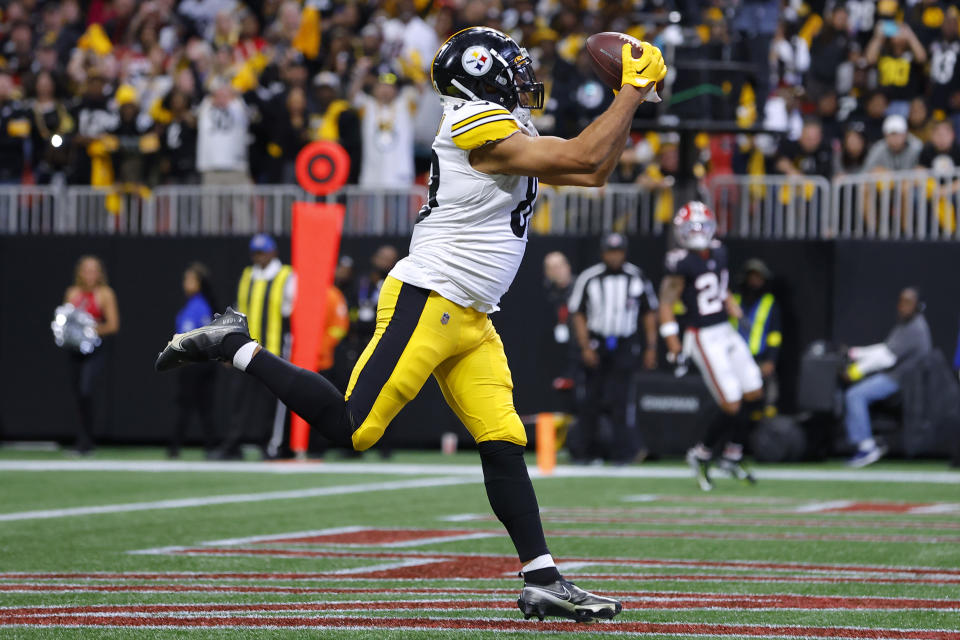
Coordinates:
column 314, row 246
column 546, row 443
column 322, row 168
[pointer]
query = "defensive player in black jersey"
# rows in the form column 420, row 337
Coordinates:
column 697, row 276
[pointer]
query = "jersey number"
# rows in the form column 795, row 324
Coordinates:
column 518, row 217
column 434, row 186
column 522, row 212
column 710, row 290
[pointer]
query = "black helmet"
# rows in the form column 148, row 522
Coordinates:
column 480, row 63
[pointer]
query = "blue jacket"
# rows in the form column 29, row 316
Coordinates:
column 195, row 313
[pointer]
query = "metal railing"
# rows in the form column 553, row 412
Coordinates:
column 904, row 205
column 890, row 205
column 626, row 208
column 771, row 206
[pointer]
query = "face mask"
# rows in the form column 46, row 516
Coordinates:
column 523, row 117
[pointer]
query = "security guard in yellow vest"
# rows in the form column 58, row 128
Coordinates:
column 265, row 294
column 760, row 326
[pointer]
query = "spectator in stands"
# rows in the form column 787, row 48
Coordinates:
column 14, row 131
column 51, row 127
column 944, row 70
column 133, row 143
column 808, row 155
column 387, row 126
column 874, row 116
column 94, row 117
column 195, row 385
column 828, row 115
column 18, row 50
column 179, row 140
column 942, row 157
column 287, row 133
column 876, row 371
column 91, row 293
column 942, row 153
column 898, row 151
column 332, row 118
column 760, row 326
column 660, row 177
column 222, row 127
column 899, row 57
column 926, row 17
column 853, row 151
column 789, row 56
column 919, row 123
column 829, row 49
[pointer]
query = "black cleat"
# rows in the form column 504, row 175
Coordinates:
column 736, row 469
column 202, row 344
column 565, row 600
column 701, row 468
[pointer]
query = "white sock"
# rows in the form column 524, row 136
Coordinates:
column 540, row 562
column 867, row 445
column 244, row 355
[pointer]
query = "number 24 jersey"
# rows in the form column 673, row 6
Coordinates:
column 471, row 235
column 706, row 281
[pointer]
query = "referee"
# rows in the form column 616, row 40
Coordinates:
column 607, row 304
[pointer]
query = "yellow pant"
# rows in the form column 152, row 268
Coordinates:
column 419, row 333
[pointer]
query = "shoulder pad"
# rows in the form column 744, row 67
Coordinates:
column 476, row 123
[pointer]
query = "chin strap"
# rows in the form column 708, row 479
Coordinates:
column 459, row 85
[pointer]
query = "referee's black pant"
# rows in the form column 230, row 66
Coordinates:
column 607, row 417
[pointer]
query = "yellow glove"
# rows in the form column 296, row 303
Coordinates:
column 648, row 68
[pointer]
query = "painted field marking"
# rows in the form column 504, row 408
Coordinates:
column 204, row 501
column 491, row 600
column 473, row 470
column 819, row 507
column 639, row 517
column 484, row 624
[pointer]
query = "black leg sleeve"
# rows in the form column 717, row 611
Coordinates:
column 306, row 393
column 745, row 420
column 719, row 430
column 511, row 495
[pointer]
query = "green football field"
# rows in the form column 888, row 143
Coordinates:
column 128, row 545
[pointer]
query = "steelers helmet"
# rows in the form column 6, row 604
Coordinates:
column 480, row 63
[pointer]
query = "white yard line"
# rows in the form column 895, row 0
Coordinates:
column 818, row 507
column 235, row 498
column 935, row 509
column 473, row 470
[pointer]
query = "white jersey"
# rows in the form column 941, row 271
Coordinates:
column 471, row 235
column 387, row 134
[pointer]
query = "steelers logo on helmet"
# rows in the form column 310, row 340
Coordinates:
column 476, row 60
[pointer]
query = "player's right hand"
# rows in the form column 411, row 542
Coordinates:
column 641, row 72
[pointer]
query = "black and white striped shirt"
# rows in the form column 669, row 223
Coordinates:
column 613, row 300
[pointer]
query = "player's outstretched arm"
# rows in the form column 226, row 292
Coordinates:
column 671, row 288
column 589, row 158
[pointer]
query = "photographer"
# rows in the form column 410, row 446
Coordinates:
column 876, row 371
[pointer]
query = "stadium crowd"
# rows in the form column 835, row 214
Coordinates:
column 225, row 92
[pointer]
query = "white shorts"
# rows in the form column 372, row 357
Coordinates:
column 724, row 359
